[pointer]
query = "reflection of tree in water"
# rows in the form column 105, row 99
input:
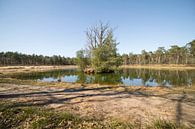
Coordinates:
column 55, row 74
column 104, row 78
column 81, row 77
column 145, row 75
column 162, row 77
column 180, row 78
column 124, row 73
column 108, row 78
column 148, row 76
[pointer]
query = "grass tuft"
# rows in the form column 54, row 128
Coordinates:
column 164, row 124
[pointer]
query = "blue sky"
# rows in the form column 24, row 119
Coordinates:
column 57, row 27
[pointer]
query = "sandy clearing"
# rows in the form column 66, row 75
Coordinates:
column 104, row 102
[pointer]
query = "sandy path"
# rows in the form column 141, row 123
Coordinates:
column 104, row 102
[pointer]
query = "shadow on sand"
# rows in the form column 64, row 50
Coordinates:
column 66, row 95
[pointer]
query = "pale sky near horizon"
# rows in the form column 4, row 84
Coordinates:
column 57, row 27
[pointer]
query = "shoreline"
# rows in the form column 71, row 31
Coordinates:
column 26, row 69
column 161, row 66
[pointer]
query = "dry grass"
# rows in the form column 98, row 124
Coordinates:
column 135, row 104
column 162, row 66
column 24, row 69
column 14, row 116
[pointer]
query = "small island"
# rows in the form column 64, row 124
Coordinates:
column 101, row 55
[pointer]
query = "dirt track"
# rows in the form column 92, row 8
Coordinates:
column 105, row 102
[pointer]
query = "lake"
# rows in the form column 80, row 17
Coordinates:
column 127, row 77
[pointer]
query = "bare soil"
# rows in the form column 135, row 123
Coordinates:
column 137, row 104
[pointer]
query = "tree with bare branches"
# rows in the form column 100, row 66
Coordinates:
column 101, row 47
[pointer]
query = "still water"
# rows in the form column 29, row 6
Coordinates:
column 128, row 77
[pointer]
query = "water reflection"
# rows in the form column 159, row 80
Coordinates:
column 129, row 77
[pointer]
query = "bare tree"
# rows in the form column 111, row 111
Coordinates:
column 97, row 35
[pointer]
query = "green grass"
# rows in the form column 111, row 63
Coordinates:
column 164, row 124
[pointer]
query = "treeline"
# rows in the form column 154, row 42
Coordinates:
column 174, row 55
column 15, row 58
